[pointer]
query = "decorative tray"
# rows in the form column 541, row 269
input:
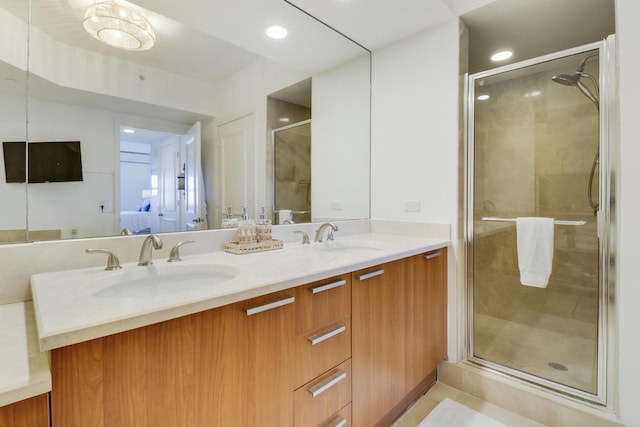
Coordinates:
column 247, row 248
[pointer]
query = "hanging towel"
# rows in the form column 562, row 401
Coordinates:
column 535, row 250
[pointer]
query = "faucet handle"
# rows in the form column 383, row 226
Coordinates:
column 113, row 263
column 174, row 255
column 305, row 236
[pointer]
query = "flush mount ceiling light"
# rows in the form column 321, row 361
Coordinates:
column 276, row 32
column 118, row 26
column 501, row 56
column 483, row 97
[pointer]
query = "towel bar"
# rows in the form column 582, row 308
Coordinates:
column 557, row 222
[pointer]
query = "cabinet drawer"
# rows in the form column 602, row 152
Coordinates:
column 321, row 349
column 340, row 419
column 318, row 400
column 322, row 302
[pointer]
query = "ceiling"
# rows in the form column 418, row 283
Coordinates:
column 533, row 28
column 210, row 40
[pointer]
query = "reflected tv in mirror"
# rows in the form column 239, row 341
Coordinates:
column 56, row 161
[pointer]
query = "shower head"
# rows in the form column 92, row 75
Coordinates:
column 574, row 81
column 566, row 79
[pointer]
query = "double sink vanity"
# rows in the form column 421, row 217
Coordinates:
column 333, row 333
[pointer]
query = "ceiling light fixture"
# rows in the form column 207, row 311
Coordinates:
column 276, row 32
column 118, row 26
column 483, row 97
column 501, row 56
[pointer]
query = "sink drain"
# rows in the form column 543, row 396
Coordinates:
column 558, row 366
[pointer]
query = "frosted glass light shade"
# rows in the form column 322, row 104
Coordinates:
column 118, row 26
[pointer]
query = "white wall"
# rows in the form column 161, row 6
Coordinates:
column 340, row 142
column 628, row 204
column 414, row 137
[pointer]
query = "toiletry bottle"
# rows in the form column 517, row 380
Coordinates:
column 263, row 227
column 229, row 221
column 246, row 228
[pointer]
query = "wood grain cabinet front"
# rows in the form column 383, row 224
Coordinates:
column 323, row 397
column 398, row 323
column 32, row 412
column 229, row 366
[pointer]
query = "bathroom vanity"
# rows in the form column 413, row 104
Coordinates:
column 347, row 334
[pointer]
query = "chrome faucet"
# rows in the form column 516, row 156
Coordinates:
column 174, row 255
column 305, row 236
column 151, row 242
column 113, row 263
column 320, row 231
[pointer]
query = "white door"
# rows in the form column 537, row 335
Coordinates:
column 236, row 167
column 169, row 198
column 193, row 206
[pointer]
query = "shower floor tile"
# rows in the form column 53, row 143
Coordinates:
column 537, row 347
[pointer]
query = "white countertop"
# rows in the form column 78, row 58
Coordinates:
column 24, row 369
column 67, row 310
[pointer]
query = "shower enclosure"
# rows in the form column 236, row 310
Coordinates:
column 292, row 170
column 538, row 147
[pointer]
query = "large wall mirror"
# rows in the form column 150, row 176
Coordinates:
column 173, row 137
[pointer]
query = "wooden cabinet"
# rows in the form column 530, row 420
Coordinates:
column 352, row 350
column 322, row 365
column 398, row 321
column 32, row 412
column 230, row 366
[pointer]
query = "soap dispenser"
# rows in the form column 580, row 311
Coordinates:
column 246, row 228
column 263, row 227
column 229, row 221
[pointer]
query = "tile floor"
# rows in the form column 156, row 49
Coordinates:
column 421, row 408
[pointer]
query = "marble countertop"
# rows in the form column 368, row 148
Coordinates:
column 24, row 369
column 67, row 310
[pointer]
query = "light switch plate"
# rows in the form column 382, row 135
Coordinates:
column 412, row 205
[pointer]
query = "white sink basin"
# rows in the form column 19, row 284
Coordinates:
column 157, row 280
column 347, row 246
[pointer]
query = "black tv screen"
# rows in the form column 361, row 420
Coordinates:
column 56, row 161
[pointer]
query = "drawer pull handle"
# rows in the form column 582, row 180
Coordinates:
column 433, row 255
column 322, row 288
column 337, row 422
column 325, row 335
column 328, row 383
column 372, row 274
column 255, row 309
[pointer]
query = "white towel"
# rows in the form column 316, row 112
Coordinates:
column 284, row 215
column 535, row 250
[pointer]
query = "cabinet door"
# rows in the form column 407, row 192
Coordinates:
column 397, row 310
column 32, row 412
column 228, row 366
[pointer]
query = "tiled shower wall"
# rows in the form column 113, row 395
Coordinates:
column 535, row 141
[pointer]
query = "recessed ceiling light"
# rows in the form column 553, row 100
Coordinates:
column 127, row 130
column 276, row 32
column 502, row 55
column 483, row 97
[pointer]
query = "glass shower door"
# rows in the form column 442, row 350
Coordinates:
column 534, row 152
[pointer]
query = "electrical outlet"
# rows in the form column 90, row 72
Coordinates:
column 412, row 205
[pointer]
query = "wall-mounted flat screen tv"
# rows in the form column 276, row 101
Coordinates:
column 56, row 161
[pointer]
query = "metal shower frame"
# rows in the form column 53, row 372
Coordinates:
column 606, row 226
